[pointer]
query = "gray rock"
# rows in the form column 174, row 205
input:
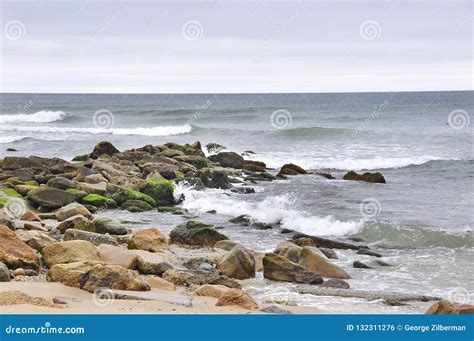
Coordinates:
column 273, row 309
column 336, row 283
column 279, row 268
column 196, row 233
column 238, row 263
column 4, row 273
column 109, row 225
column 368, row 252
column 359, row 265
column 228, row 159
column 60, row 182
column 70, row 222
column 94, row 238
column 50, row 197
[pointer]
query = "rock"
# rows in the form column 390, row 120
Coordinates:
column 136, row 206
column 262, row 176
column 149, row 239
column 15, row 162
column 35, row 239
column 98, row 200
column 17, row 297
column 84, row 225
column 336, row 283
column 195, row 160
column 98, row 188
column 278, row 268
column 94, row 179
column 72, row 210
column 329, row 253
column 220, row 180
column 91, row 276
column 187, row 279
column 50, row 197
column 254, row 166
column 161, row 191
column 69, row 252
column 23, row 272
column 6, row 219
column 92, row 237
column 34, row 226
column 312, row 259
column 214, row 147
column 83, row 172
column 154, row 263
column 109, row 225
column 210, row 290
column 4, row 273
column 238, row 263
column 14, row 253
column 104, row 147
column 378, row 262
column 367, row 176
column 326, row 175
column 237, row 297
column 291, row 169
column 292, row 252
column 242, row 190
column 117, row 255
column 368, row 252
column 30, row 216
column 228, row 159
column 207, row 268
column 196, row 233
column 70, row 223
column 225, row 244
column 159, row 283
column 61, row 183
column 273, row 309
column 444, row 307
column 328, row 243
column 359, row 265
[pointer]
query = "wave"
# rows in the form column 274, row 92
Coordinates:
column 11, row 139
column 272, row 210
column 152, row 131
column 414, row 237
column 349, row 163
column 44, row 116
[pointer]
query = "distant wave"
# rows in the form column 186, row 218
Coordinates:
column 415, row 237
column 152, row 131
column 10, row 139
column 44, row 116
column 272, row 210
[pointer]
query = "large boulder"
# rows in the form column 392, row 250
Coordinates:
column 16, row 162
column 314, row 260
column 237, row 297
column 50, row 197
column 4, row 273
column 71, row 222
column 91, row 276
column 161, row 191
column 60, row 182
column 149, row 239
column 279, row 268
column 72, row 210
column 154, row 263
column 92, row 237
column 367, row 176
column 14, row 253
column 228, row 159
column 238, row 263
column 104, row 147
column 219, row 179
column 109, row 225
column 117, row 255
column 196, row 233
column 69, row 252
column 291, row 169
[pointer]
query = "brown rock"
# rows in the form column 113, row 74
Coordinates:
column 314, row 260
column 367, row 176
column 117, row 255
column 30, row 216
column 149, row 239
column 17, row 297
column 291, row 169
column 14, row 253
column 104, row 147
column 443, row 307
column 69, row 252
column 71, row 210
column 210, row 290
column 35, row 239
column 159, row 283
column 237, row 297
column 279, row 268
column 238, row 263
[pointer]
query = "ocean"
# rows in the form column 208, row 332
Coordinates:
column 422, row 142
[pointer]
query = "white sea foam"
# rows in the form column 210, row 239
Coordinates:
column 152, row 131
column 44, row 116
column 10, row 139
column 272, row 210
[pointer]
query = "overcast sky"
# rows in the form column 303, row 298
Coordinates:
column 217, row 46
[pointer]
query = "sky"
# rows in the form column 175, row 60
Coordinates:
column 235, row 46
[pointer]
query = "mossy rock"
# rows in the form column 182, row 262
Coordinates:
column 136, row 206
column 161, row 190
column 24, row 189
column 136, row 195
column 85, row 225
column 11, row 192
column 3, row 201
column 16, row 182
column 98, row 201
column 78, row 194
column 172, row 210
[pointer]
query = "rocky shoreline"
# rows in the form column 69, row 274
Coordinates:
column 51, row 229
